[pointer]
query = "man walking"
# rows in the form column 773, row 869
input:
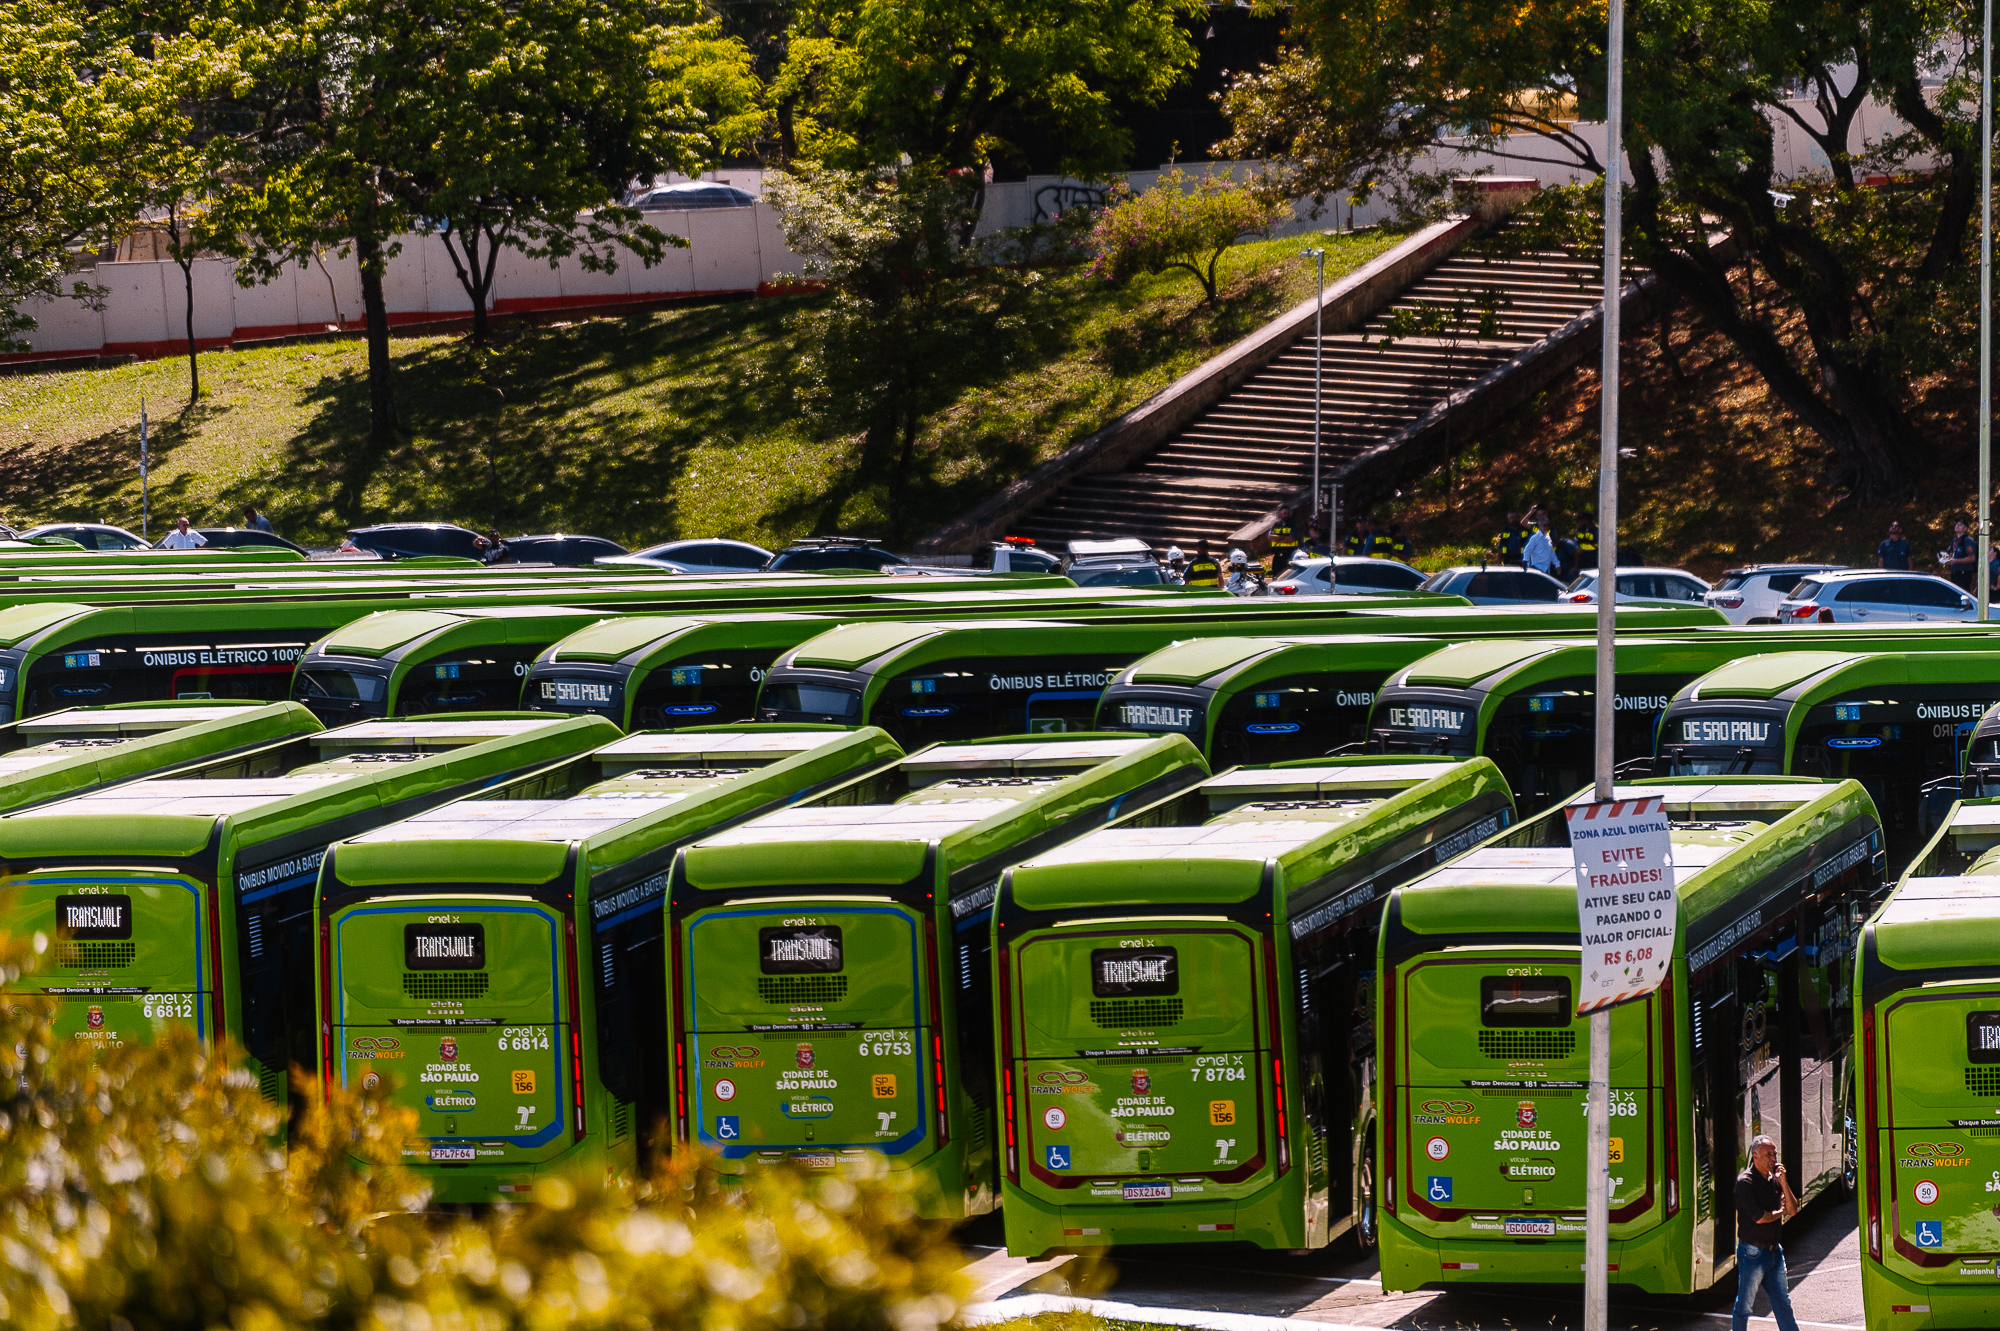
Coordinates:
column 1764, row 1201
column 255, row 521
column 1894, row 553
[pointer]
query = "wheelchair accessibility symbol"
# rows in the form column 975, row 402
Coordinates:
column 1439, row 1188
column 726, row 1128
column 1930, row 1233
column 1058, row 1157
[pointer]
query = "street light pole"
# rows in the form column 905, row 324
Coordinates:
column 1985, row 309
column 1318, row 255
column 1597, row 1108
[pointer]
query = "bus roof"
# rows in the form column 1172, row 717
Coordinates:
column 1527, row 888
column 177, row 815
column 1223, row 859
column 1767, row 676
column 1807, row 677
column 615, row 639
column 636, row 807
column 962, row 797
column 384, row 631
column 1939, row 920
column 87, row 747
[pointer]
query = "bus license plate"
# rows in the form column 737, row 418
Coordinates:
column 450, row 1153
column 1533, row 1228
column 1149, row 1192
column 820, row 1161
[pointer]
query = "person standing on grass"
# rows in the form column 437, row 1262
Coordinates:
column 255, row 521
column 182, row 538
column 1894, row 553
column 1764, row 1202
column 1961, row 555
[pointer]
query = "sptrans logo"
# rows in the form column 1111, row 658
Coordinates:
column 1433, row 1113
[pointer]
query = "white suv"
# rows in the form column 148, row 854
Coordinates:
column 1872, row 596
column 1751, row 595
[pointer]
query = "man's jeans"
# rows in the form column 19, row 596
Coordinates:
column 1762, row 1266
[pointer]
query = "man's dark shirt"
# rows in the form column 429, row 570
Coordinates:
column 1895, row 553
column 1757, row 1195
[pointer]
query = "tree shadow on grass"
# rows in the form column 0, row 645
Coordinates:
column 577, row 428
column 87, row 480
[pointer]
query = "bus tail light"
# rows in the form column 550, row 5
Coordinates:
column 1385, row 1044
column 1866, row 1119
column 575, row 1027
column 1284, row 1141
column 1668, row 1057
column 326, row 1006
column 937, row 1032
column 1004, row 1012
column 937, row 1079
column 680, row 1091
column 1277, row 1050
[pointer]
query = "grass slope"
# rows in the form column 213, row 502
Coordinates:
column 1719, row 474
column 639, row 427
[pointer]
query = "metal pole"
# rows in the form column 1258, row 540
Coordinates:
column 1985, row 308
column 1319, row 298
column 145, row 492
column 1597, row 1147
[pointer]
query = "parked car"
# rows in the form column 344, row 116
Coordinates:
column 89, row 535
column 694, row 194
column 1874, row 596
column 1495, row 584
column 1345, row 575
column 1018, row 554
column 235, row 538
column 1642, row 584
column 1118, row 561
column 413, row 540
column 1751, row 595
column 558, row 548
column 712, row 555
column 816, row 553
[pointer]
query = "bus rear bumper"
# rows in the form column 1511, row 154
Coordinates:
column 1896, row 1303
column 1411, row 1260
column 1036, row 1228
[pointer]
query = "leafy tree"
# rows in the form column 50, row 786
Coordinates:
column 1875, row 277
column 1170, row 227
column 81, row 101
column 949, row 85
column 147, row 1185
column 914, row 314
column 508, row 117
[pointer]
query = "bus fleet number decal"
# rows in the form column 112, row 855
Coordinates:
column 524, row 1037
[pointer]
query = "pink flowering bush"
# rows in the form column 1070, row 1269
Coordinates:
column 1173, row 226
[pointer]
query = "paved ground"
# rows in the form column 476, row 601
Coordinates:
column 1333, row 1286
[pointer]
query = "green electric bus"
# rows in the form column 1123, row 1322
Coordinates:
column 208, row 872
column 1928, row 978
column 1226, row 935
column 841, row 947
column 1259, row 700
column 933, row 682
column 501, row 957
column 1530, row 705
column 1895, row 721
column 1485, row 1064
column 406, row 662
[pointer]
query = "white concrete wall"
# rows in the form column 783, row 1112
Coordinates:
column 733, row 250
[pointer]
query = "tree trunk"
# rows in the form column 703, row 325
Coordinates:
column 194, row 365
column 381, row 403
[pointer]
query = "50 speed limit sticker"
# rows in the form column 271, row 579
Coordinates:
column 1054, row 1117
column 1437, row 1148
column 1927, row 1192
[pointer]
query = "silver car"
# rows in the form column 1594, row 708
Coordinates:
column 1497, row 584
column 1642, row 584
column 1873, row 596
column 1347, row 575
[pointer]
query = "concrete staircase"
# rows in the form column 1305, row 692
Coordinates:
column 1226, row 469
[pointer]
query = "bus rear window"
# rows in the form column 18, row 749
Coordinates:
column 813, row 698
column 799, row 950
column 342, row 684
column 1525, row 1001
column 1123, row 972
column 1982, row 1037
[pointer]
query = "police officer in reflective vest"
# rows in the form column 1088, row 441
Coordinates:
column 1586, row 543
column 1513, row 537
column 1202, row 570
column 1393, row 544
column 1284, row 539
